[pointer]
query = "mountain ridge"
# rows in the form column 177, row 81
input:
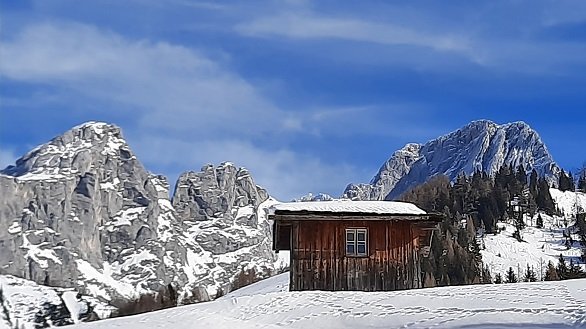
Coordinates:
column 480, row 145
column 82, row 212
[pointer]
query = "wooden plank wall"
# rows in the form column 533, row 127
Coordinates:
column 319, row 262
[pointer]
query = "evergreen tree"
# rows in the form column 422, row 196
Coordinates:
column 486, row 277
column 511, row 277
column 533, row 180
column 575, row 271
column 539, row 222
column 521, row 175
column 551, row 274
column 582, row 181
column 566, row 182
column 562, row 268
column 529, row 275
column 544, row 200
column 498, row 278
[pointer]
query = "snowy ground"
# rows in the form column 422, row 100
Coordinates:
column 268, row 304
column 540, row 245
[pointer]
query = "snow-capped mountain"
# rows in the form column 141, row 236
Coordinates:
column 481, row 145
column 309, row 197
column 82, row 212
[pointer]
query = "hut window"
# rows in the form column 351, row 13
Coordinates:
column 356, row 242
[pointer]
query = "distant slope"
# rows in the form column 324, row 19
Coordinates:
column 540, row 245
column 481, row 145
column 267, row 305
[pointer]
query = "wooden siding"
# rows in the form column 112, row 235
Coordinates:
column 319, row 261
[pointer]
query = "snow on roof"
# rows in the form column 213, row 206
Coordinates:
column 348, row 206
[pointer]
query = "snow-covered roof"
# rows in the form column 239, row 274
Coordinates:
column 347, row 206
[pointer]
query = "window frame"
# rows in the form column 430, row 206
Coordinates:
column 355, row 242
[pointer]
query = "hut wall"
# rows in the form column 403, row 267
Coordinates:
column 319, row 261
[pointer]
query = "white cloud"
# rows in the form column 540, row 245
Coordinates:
column 426, row 40
column 166, row 86
column 188, row 108
column 306, row 26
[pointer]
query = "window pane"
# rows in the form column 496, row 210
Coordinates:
column 350, row 249
column 361, row 236
column 349, row 236
column 361, row 249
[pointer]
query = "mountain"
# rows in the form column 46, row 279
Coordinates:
column 481, row 145
column 309, row 197
column 82, row 212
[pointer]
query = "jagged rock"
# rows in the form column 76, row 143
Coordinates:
column 224, row 212
column 318, row 197
column 82, row 212
column 481, row 145
column 387, row 177
column 25, row 304
column 80, row 205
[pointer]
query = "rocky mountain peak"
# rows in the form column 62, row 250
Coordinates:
column 72, row 152
column 480, row 145
column 82, row 212
column 387, row 177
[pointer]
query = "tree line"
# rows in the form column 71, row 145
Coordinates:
column 473, row 204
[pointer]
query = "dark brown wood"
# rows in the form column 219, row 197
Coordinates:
column 281, row 236
column 319, row 261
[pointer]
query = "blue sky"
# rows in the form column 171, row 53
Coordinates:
column 309, row 96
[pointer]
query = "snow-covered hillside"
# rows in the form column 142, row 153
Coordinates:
column 269, row 305
column 26, row 304
column 540, row 245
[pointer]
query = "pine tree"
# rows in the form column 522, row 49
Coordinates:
column 486, row 277
column 562, row 268
column 521, row 175
column 5, row 314
column 533, row 180
column 544, row 199
column 529, row 275
column 575, row 271
column 566, row 182
column 551, row 274
column 582, row 181
column 511, row 277
column 498, row 278
column 539, row 222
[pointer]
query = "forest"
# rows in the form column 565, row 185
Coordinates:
column 473, row 205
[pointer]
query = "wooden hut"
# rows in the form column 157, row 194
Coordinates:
column 353, row 245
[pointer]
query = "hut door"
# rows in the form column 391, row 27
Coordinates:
column 282, row 237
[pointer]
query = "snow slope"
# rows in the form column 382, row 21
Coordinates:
column 540, row 245
column 267, row 304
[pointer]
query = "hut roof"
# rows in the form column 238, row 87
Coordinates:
column 338, row 208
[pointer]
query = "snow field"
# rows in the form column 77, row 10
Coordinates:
column 540, row 245
column 268, row 304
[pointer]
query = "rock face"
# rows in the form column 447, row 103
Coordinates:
column 223, row 211
column 82, row 212
column 387, row 177
column 25, row 304
column 481, row 145
column 310, row 197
